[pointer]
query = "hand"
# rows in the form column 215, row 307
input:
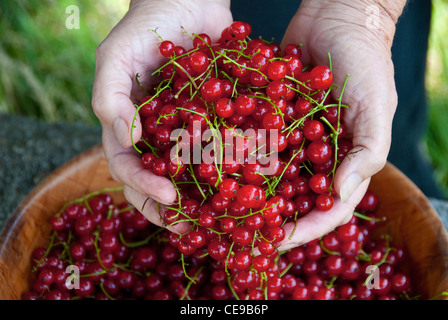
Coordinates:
column 340, row 28
column 132, row 48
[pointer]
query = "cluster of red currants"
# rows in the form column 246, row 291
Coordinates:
column 246, row 90
column 106, row 251
column 88, row 249
column 286, row 138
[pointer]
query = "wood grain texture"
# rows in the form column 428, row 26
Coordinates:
column 411, row 222
column 28, row 227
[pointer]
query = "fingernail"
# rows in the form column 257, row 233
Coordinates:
column 179, row 228
column 121, row 131
column 161, row 201
column 350, row 185
column 182, row 228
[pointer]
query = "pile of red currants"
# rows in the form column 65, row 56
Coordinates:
column 268, row 132
column 251, row 139
column 107, row 251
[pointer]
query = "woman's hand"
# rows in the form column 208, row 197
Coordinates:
column 358, row 35
column 132, row 48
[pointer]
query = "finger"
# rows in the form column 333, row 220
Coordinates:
column 372, row 100
column 153, row 211
column 111, row 98
column 319, row 223
column 362, row 162
column 125, row 167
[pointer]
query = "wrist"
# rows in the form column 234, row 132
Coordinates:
column 133, row 3
column 379, row 17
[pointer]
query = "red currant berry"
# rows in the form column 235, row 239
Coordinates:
column 166, row 48
column 321, row 78
column 319, row 183
column 277, row 70
column 225, row 108
column 313, row 130
column 244, row 105
column 319, row 152
column 212, row 90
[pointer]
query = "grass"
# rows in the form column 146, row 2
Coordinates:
column 437, row 89
column 47, row 70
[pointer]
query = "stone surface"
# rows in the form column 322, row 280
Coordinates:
column 30, row 150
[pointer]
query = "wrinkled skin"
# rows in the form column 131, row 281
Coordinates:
column 321, row 26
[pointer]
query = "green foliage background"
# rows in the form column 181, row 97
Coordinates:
column 437, row 87
column 47, row 70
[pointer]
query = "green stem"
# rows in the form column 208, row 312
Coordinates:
column 105, row 292
column 141, row 242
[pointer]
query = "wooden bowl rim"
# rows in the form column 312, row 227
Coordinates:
column 10, row 229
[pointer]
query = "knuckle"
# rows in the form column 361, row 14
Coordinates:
column 96, row 106
column 346, row 219
column 99, row 51
column 113, row 169
column 379, row 160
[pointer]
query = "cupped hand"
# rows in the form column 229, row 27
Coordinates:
column 130, row 49
column 360, row 48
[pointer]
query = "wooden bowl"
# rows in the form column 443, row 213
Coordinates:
column 411, row 221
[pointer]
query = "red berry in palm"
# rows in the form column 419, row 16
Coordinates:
column 304, row 204
column 150, row 106
column 313, row 130
column 166, row 48
column 276, row 90
column 244, row 105
column 321, row 77
column 212, row 90
column 324, row 202
column 228, row 188
column 199, row 62
column 292, row 49
column 273, row 121
column 225, row 108
column 294, row 66
column 319, row 152
column 242, row 236
column 202, row 40
column 277, row 70
column 320, row 183
column 239, row 30
column 160, row 167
